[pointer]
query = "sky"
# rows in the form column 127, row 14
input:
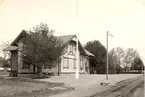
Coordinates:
column 88, row 19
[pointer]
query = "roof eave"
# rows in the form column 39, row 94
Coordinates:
column 17, row 38
column 11, row 48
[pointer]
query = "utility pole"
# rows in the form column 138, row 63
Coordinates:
column 107, row 56
column 77, row 50
column 108, row 34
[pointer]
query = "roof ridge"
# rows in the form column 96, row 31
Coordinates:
column 65, row 35
column 54, row 35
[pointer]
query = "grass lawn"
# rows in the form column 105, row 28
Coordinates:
column 4, row 73
column 16, row 87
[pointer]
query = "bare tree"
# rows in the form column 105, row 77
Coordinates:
column 116, row 55
column 123, row 57
column 130, row 55
column 4, row 45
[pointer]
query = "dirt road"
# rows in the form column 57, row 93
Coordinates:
column 133, row 87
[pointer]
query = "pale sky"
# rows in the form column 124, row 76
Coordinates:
column 125, row 19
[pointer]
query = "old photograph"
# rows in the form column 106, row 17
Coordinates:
column 72, row 48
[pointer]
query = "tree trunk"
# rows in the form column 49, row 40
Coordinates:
column 34, row 69
column 58, row 67
column 39, row 70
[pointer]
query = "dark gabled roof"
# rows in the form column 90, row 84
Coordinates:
column 19, row 36
column 65, row 39
column 10, row 48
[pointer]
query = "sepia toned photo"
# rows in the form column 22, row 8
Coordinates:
column 72, row 48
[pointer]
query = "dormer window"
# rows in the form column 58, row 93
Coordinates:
column 71, row 48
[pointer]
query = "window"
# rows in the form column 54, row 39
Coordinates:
column 71, row 62
column 74, row 47
column 81, row 64
column 86, row 66
column 65, row 63
column 71, row 48
column 74, row 63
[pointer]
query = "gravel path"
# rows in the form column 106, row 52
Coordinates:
column 87, row 84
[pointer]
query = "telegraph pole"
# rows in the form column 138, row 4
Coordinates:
column 77, row 50
column 107, row 35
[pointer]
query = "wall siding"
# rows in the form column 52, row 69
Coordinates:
column 20, row 60
column 14, row 61
column 71, row 66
